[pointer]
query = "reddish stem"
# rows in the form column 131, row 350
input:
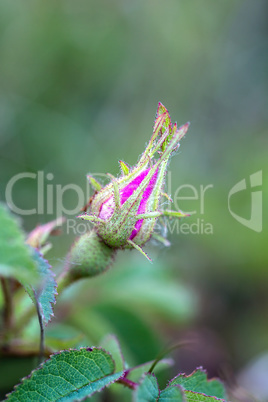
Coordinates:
column 128, row 383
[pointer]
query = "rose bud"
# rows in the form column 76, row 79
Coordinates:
column 124, row 212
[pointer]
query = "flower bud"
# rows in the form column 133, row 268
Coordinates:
column 124, row 212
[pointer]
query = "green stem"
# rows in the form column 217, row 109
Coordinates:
column 63, row 282
column 165, row 352
column 42, row 334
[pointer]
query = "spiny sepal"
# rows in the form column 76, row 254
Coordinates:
column 94, row 183
column 138, row 248
column 161, row 239
column 91, row 218
column 125, row 169
column 175, row 214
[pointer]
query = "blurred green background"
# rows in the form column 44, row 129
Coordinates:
column 79, row 87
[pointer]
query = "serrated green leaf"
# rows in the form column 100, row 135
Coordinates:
column 172, row 393
column 197, row 397
column 15, row 256
column 198, row 382
column 148, row 390
column 69, row 375
column 111, row 344
column 44, row 293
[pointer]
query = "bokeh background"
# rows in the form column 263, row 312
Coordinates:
column 79, row 87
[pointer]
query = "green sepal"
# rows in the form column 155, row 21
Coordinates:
column 94, row 183
column 161, row 239
column 175, row 214
column 125, row 169
column 138, row 248
column 90, row 218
